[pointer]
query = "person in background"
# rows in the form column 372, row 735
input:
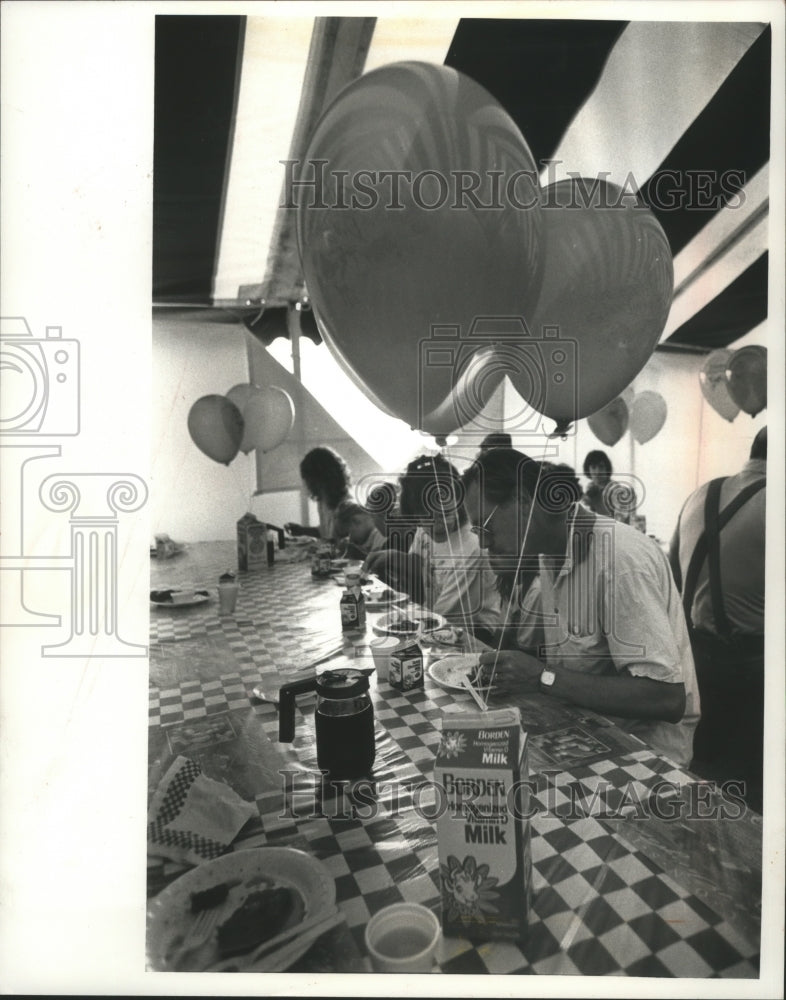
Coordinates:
column 615, row 638
column 357, row 525
column 717, row 555
column 498, row 439
column 603, row 495
column 326, row 477
column 382, row 504
column 444, row 568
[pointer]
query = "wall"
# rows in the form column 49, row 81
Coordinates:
column 194, row 498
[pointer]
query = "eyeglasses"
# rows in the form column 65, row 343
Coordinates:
column 482, row 529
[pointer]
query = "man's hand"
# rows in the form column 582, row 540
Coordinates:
column 515, row 673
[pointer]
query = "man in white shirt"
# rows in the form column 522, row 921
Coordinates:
column 615, row 638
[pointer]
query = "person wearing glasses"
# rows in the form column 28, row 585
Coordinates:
column 444, row 568
column 614, row 634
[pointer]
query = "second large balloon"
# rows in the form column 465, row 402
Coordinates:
column 606, row 295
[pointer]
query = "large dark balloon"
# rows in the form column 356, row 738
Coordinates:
column 437, row 224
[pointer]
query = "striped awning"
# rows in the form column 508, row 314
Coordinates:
column 678, row 112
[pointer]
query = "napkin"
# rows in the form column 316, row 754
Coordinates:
column 193, row 818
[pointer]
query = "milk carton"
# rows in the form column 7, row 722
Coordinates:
column 251, row 543
column 483, row 826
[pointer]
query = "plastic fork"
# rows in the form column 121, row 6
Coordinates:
column 197, row 936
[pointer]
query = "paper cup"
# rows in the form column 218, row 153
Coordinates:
column 402, row 938
column 381, row 648
column 227, row 598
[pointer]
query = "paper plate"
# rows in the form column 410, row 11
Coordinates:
column 169, row 915
column 173, row 597
column 408, row 622
column 449, row 672
column 375, row 601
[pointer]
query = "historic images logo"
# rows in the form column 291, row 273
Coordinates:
column 40, row 401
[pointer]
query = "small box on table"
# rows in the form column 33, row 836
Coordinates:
column 251, row 543
column 483, row 825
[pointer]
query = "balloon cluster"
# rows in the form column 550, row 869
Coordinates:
column 644, row 414
column 437, row 265
column 246, row 418
column 735, row 380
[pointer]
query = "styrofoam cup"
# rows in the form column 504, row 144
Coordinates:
column 403, row 937
column 381, row 648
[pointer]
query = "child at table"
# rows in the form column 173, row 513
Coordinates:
column 355, row 526
column 445, row 568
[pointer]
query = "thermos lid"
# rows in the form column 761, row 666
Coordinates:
column 339, row 684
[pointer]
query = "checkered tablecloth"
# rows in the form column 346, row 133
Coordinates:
column 600, row 905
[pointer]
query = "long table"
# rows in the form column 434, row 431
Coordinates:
column 639, row 868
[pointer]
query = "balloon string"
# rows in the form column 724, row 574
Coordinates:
column 452, row 560
column 513, row 589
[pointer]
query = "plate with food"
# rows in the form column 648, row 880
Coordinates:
column 450, row 671
column 408, row 621
column 178, row 597
column 251, row 897
column 449, row 637
column 381, row 598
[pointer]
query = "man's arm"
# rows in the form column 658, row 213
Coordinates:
column 299, row 529
column 623, row 695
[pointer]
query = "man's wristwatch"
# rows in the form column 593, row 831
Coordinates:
column 547, row 678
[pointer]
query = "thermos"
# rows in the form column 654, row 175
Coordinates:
column 344, row 721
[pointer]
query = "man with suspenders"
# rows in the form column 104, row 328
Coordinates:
column 717, row 557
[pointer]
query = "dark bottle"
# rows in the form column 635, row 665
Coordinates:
column 271, row 547
column 353, row 604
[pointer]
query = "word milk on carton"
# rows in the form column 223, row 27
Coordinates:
column 251, row 543
column 483, row 826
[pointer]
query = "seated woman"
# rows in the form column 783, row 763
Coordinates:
column 326, row 477
column 444, row 569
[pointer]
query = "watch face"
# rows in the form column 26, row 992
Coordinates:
column 548, row 677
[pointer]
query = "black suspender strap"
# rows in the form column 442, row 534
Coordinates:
column 701, row 550
column 712, row 529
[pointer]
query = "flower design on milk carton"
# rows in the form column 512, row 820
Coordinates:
column 468, row 889
column 452, row 744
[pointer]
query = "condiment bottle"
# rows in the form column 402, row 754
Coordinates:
column 353, row 603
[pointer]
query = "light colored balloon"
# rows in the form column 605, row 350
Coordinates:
column 746, row 376
column 269, row 417
column 216, row 427
column 399, row 275
column 604, row 300
column 240, row 394
column 609, row 424
column 714, row 387
column 648, row 414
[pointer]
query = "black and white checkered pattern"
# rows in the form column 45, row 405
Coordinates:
column 600, row 905
column 177, row 790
